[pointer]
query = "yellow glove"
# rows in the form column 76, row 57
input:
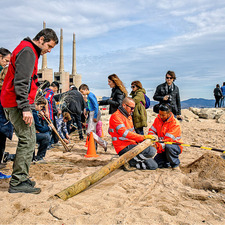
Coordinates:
column 149, row 136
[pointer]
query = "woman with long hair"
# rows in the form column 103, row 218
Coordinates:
column 139, row 114
column 119, row 92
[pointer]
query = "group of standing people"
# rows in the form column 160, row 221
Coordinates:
column 126, row 124
column 219, row 94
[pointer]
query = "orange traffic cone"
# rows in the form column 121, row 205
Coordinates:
column 91, row 152
column 87, row 140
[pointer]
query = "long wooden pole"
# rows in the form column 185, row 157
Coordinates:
column 105, row 170
column 54, row 129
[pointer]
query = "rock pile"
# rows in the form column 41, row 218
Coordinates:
column 210, row 113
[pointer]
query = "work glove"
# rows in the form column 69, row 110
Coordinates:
column 152, row 137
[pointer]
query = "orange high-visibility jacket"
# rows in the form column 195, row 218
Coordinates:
column 166, row 131
column 122, row 131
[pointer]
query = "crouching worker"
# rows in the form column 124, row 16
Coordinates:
column 167, row 129
column 42, row 130
column 124, row 137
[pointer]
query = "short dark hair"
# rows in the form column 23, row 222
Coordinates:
column 4, row 52
column 48, row 34
column 66, row 116
column 172, row 74
column 55, row 84
column 165, row 107
column 83, row 87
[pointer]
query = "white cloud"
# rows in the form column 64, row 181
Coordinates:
column 134, row 38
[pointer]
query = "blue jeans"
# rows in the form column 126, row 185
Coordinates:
column 43, row 140
column 222, row 101
column 143, row 160
column 168, row 158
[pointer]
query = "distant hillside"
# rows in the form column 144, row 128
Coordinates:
column 192, row 102
column 198, row 103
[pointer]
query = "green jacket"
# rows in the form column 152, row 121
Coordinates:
column 140, row 114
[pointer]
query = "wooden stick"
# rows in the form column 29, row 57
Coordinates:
column 54, row 129
column 105, row 170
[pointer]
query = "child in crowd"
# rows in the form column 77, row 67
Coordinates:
column 61, row 121
column 52, row 110
column 94, row 114
column 42, row 130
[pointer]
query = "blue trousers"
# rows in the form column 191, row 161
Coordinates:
column 144, row 159
column 42, row 140
column 168, row 158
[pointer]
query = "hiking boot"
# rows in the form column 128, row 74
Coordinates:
column 24, row 187
column 127, row 167
column 31, row 182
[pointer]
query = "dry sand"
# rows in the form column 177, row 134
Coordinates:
column 195, row 195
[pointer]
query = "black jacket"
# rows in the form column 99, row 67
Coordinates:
column 174, row 100
column 115, row 100
column 72, row 102
column 217, row 92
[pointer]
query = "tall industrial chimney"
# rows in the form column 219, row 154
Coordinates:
column 44, row 57
column 74, row 67
column 61, row 60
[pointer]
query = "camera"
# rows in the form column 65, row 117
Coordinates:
column 169, row 99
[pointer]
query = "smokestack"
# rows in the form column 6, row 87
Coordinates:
column 44, row 57
column 74, row 67
column 61, row 61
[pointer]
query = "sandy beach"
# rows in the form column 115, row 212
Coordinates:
column 194, row 195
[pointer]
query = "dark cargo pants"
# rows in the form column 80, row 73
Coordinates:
column 26, row 145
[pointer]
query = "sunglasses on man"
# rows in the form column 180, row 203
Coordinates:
column 132, row 108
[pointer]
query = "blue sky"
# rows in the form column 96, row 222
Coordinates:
column 136, row 39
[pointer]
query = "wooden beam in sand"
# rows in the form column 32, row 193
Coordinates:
column 104, row 171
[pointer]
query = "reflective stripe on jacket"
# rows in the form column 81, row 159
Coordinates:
column 166, row 131
column 122, row 131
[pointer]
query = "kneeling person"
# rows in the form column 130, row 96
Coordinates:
column 61, row 122
column 167, row 129
column 124, row 137
column 42, row 131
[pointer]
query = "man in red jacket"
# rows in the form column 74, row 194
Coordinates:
column 167, row 129
column 124, row 137
column 17, row 98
